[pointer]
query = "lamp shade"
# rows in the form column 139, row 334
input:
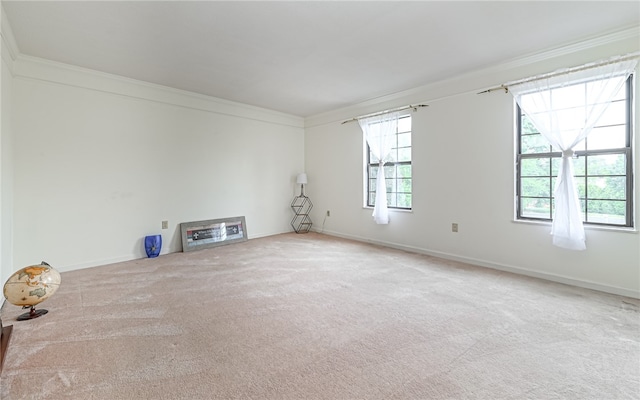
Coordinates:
column 302, row 178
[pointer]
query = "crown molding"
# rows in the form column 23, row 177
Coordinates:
column 8, row 40
column 632, row 32
column 491, row 76
column 53, row 72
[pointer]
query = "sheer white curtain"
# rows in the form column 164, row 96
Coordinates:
column 380, row 133
column 564, row 108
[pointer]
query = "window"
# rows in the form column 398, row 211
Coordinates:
column 602, row 163
column 397, row 170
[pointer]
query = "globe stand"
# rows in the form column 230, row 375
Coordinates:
column 31, row 314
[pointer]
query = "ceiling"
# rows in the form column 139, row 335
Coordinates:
column 303, row 58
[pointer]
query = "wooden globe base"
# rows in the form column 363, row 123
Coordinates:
column 33, row 313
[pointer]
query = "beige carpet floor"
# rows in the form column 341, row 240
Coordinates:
column 317, row 317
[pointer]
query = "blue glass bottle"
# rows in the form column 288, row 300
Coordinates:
column 152, row 245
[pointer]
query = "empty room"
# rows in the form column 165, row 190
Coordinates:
column 319, row 200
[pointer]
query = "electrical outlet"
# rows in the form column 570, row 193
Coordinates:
column 328, row 213
column 165, row 224
column 454, row 227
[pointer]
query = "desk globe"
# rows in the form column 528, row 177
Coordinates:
column 30, row 286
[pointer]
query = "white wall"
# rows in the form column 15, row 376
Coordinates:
column 463, row 172
column 6, row 157
column 6, row 177
column 100, row 161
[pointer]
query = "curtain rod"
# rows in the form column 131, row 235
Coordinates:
column 505, row 86
column 414, row 107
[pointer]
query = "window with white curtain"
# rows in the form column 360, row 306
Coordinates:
column 397, row 169
column 602, row 162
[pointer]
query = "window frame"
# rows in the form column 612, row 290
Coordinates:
column 369, row 193
column 627, row 151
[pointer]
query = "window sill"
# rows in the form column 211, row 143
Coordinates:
column 586, row 226
column 401, row 210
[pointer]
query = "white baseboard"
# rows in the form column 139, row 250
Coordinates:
column 448, row 256
column 132, row 256
column 97, row 263
column 497, row 266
